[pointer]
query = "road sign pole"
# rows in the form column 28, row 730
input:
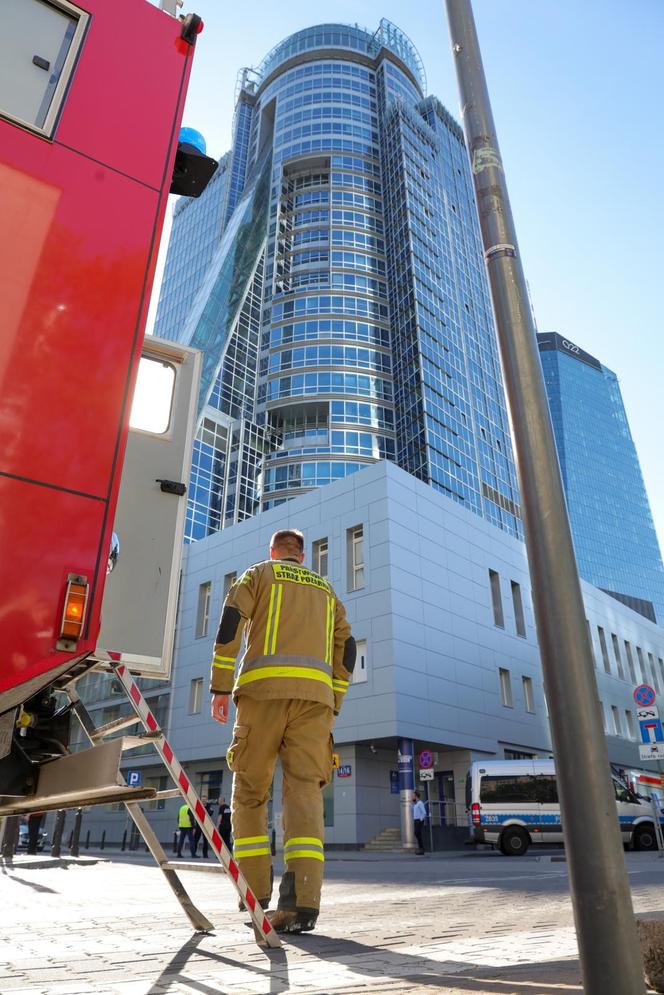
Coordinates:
column 608, row 944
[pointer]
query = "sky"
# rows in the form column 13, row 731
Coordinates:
column 576, row 91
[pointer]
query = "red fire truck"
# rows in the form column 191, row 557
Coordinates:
column 91, row 101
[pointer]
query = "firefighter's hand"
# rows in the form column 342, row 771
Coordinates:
column 220, row 708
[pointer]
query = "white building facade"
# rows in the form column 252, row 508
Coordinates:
column 440, row 604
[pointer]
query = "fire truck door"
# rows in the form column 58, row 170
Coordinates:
column 140, row 598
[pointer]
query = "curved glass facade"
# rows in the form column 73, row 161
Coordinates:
column 371, row 330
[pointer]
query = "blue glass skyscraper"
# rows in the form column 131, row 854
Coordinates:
column 344, row 316
column 614, row 535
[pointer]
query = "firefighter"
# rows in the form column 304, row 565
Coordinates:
column 298, row 660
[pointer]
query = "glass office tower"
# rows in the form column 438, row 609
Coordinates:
column 344, row 316
column 614, row 535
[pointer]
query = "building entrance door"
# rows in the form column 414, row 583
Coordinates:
column 445, row 779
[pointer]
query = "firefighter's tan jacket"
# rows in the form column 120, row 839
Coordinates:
column 295, row 632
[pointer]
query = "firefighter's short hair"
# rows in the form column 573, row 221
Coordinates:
column 288, row 540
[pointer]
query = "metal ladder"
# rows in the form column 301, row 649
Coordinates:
column 263, row 931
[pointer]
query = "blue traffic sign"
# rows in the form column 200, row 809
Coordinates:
column 644, row 695
column 651, row 731
column 134, row 778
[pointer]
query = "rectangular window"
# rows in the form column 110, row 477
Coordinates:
column 630, row 662
column 629, row 721
column 39, row 45
column 319, row 553
column 505, row 687
column 616, row 653
column 497, row 601
column 528, row 697
column 603, row 713
column 518, row 609
column 203, row 611
column 210, row 784
column 590, row 640
column 655, row 677
column 195, row 695
column 615, row 716
column 160, row 784
column 229, row 580
column 605, row 652
column 355, row 557
column 508, row 789
column 360, row 672
column 642, row 665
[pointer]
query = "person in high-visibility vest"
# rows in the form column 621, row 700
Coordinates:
column 297, row 664
column 186, row 829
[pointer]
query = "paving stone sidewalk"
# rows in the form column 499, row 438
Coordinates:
column 389, row 925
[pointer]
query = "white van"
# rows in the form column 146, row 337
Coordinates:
column 513, row 803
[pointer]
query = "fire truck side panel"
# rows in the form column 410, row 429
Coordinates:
column 82, row 215
column 30, row 615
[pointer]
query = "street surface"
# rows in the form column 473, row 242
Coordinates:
column 391, row 923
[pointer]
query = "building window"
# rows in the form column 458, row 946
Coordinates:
column 32, row 90
column 642, row 665
column 629, row 721
column 630, row 662
column 605, row 652
column 360, row 672
column 195, row 695
column 319, row 552
column 528, row 697
column 603, row 713
column 616, row 653
column 160, row 784
column 518, row 609
column 203, row 612
column 505, row 687
column 514, row 755
column 497, row 601
column 229, row 580
column 590, row 640
column 655, row 678
column 355, row 557
column 615, row 716
column 210, row 784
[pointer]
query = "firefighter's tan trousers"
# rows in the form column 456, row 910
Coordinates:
column 300, row 734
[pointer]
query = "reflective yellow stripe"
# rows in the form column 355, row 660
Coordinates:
column 266, row 647
column 251, row 839
column 330, row 631
column 280, row 591
column 224, row 666
column 262, row 852
column 303, row 839
column 327, row 630
column 309, row 854
column 266, row 672
column 227, row 659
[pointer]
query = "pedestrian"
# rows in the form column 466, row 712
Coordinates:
column 198, row 832
column 419, row 817
column 224, row 822
column 297, row 663
column 186, row 831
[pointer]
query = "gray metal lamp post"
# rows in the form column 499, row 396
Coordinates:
column 608, row 945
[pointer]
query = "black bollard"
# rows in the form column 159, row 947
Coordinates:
column 58, row 830
column 87, row 840
column 124, row 841
column 273, row 845
column 103, row 839
column 10, row 837
column 75, row 838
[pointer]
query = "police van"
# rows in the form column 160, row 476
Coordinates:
column 513, row 803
